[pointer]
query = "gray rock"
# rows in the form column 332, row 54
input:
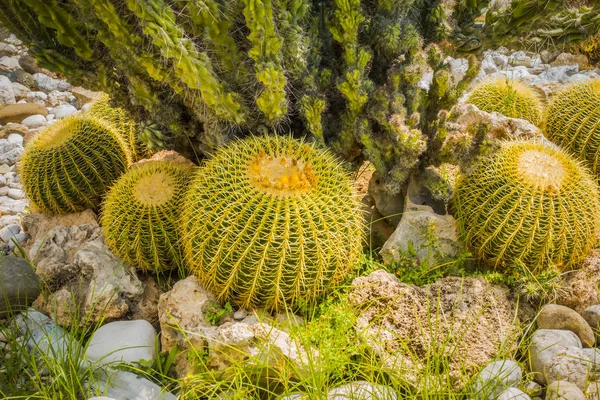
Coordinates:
column 500, row 126
column 10, row 206
column 500, row 59
column 7, row 96
column 63, row 111
column 516, row 73
column 389, row 206
column 556, row 74
column 20, row 91
column 520, row 58
column 361, row 390
column 8, row 64
column 592, row 392
column 495, row 378
column 488, row 65
column 592, row 316
column 50, row 118
column 48, row 84
column 11, row 235
column 9, row 152
column 512, row 394
column 37, row 97
column 566, row 59
column 89, row 282
column 16, row 194
column 593, row 355
column 24, row 78
column 6, row 220
column 122, row 341
column 19, row 286
column 56, row 98
column 458, row 67
column 563, row 390
column 568, row 364
column 555, row 316
column 425, row 82
column 240, row 315
column 123, row 385
column 532, row 388
column 544, row 344
column 7, row 49
column 15, row 138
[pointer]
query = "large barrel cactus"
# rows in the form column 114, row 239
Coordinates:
column 346, row 72
column 69, row 166
column 572, row 120
column 532, row 203
column 511, row 98
column 271, row 221
column 140, row 216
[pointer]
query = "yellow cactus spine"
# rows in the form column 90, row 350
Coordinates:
column 270, row 221
column 572, row 120
column 140, row 216
column 71, row 164
column 511, row 98
column 529, row 203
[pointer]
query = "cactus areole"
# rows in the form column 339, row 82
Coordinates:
column 270, row 221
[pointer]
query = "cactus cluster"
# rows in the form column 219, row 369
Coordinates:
column 572, row 120
column 532, row 203
column 347, row 72
column 141, row 212
column 69, row 166
column 270, row 221
column 511, row 98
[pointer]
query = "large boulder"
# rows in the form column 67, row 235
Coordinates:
column 466, row 321
column 87, row 283
column 19, row 286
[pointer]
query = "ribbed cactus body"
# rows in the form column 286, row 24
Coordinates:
column 511, row 98
column 70, row 165
column 572, row 121
column 530, row 203
column 140, row 216
column 270, row 221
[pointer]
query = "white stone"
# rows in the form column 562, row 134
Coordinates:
column 517, row 73
column 63, row 111
column 34, row 121
column 8, row 64
column 495, row 378
column 122, row 341
column 56, row 98
column 426, row 79
column 37, row 97
column 86, row 107
column 544, row 344
column 20, row 91
column 512, row 394
column 7, row 96
column 50, row 117
column 568, row 364
column 16, row 194
column 9, row 152
column 4, row 169
column 488, row 65
column 556, row 74
column 123, row 385
column 12, row 207
column 15, row 138
column 7, row 49
column 361, row 390
column 48, row 84
column 593, row 354
column 563, row 390
column 9, row 232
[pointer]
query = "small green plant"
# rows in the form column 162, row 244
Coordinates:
column 572, row 121
column 511, row 98
column 271, row 220
column 215, row 313
column 529, row 203
column 140, row 216
column 71, row 164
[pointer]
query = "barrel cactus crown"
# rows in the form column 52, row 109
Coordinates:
column 511, row 98
column 532, row 203
column 271, row 220
column 140, row 218
column 71, row 164
column 572, row 121
column 123, row 124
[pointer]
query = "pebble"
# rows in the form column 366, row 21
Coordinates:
column 495, row 378
column 15, row 138
column 7, row 49
column 8, row 64
column 568, row 364
column 37, row 97
column 7, row 95
column 563, row 390
column 63, row 111
column 48, row 84
column 512, row 394
column 554, row 316
column 34, row 121
column 592, row 316
column 544, row 344
column 19, row 90
column 4, row 169
column 16, row 194
column 126, row 385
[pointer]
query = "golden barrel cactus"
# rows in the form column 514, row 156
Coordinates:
column 572, row 121
column 529, row 202
column 140, row 216
column 270, row 221
column 69, row 166
column 510, row 98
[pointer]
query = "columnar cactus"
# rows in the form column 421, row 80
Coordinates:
column 69, row 166
column 511, row 98
column 140, row 216
column 271, row 221
column 572, row 120
column 530, row 203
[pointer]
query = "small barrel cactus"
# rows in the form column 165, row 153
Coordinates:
column 530, row 203
column 572, row 121
column 123, row 124
column 140, row 216
column 270, row 221
column 69, row 166
column 511, row 98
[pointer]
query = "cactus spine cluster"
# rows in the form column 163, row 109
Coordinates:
column 140, row 216
column 530, row 203
column 69, row 166
column 511, row 98
column 271, row 221
column 572, row 120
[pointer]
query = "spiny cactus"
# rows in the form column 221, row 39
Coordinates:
column 140, row 216
column 529, row 203
column 572, row 120
column 123, row 124
column 69, row 166
column 511, row 98
column 271, row 221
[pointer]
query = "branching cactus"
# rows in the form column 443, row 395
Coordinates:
column 69, row 166
column 140, row 216
column 271, row 221
column 529, row 203
column 572, row 120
